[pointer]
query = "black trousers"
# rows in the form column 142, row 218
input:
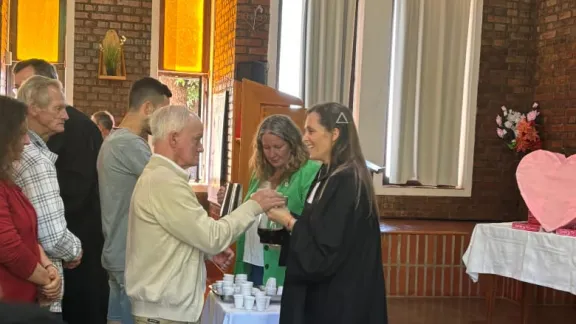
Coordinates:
column 86, row 291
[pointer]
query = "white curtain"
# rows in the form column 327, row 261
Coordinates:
column 329, row 50
column 428, row 85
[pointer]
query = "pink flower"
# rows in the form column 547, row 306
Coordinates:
column 499, row 120
column 532, row 115
column 501, row 132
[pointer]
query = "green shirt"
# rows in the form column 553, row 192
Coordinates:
column 296, row 189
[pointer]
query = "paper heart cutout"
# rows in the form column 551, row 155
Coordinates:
column 547, row 182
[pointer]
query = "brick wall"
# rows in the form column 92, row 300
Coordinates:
column 252, row 41
column 507, row 67
column 131, row 18
column 555, row 78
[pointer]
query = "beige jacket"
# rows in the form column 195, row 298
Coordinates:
column 169, row 236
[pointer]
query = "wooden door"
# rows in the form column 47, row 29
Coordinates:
column 258, row 102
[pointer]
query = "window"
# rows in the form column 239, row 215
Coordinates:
column 45, row 38
column 183, row 58
column 38, row 29
column 291, row 47
column 423, row 115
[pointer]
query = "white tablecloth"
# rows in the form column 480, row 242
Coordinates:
column 543, row 259
column 218, row 312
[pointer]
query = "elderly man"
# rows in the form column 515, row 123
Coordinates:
column 86, row 298
column 169, row 233
column 123, row 156
column 35, row 173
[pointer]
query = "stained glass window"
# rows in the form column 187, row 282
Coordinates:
column 39, row 29
column 183, row 36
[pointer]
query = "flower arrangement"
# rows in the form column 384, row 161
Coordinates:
column 518, row 130
column 111, row 48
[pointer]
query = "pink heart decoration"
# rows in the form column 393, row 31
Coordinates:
column 547, row 182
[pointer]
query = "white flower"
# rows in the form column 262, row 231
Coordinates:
column 535, row 105
column 503, row 108
column 508, row 124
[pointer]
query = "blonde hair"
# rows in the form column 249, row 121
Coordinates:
column 283, row 127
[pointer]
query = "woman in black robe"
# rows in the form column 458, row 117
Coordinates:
column 334, row 270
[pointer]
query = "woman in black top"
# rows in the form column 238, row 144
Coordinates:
column 334, row 268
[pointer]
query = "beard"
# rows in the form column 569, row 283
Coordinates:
column 146, row 130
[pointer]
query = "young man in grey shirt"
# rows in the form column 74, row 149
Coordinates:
column 123, row 156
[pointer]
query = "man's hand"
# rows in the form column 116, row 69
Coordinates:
column 268, row 198
column 224, row 259
column 53, row 290
column 74, row 263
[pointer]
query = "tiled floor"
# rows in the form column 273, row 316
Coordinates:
column 470, row 311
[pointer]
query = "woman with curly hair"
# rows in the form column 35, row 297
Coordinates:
column 279, row 161
column 23, row 265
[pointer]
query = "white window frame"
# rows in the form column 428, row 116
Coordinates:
column 373, row 53
column 154, row 72
column 275, row 46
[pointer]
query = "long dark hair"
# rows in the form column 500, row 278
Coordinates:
column 346, row 152
column 283, row 127
column 12, row 116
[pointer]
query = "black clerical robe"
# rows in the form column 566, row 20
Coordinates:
column 334, row 270
column 26, row 314
column 86, row 287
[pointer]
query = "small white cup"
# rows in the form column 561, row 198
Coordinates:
column 228, row 277
column 247, row 285
column 271, row 291
column 249, row 302
column 271, row 282
column 261, row 303
column 228, row 291
column 268, row 299
column 238, row 301
column 217, row 286
column 242, row 276
column 280, row 290
column 258, row 293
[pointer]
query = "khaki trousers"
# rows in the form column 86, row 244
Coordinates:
column 144, row 320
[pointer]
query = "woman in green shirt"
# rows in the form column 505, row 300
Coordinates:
column 280, row 161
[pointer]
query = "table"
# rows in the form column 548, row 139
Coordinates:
column 218, row 312
column 539, row 258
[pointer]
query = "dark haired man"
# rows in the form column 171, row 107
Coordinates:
column 86, row 291
column 123, row 156
column 105, row 122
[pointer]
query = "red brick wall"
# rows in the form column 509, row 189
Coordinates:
column 252, row 44
column 130, row 18
column 506, row 75
column 555, row 77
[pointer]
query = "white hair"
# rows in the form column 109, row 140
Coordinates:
column 169, row 119
column 34, row 91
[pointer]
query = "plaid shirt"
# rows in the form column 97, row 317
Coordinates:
column 35, row 173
